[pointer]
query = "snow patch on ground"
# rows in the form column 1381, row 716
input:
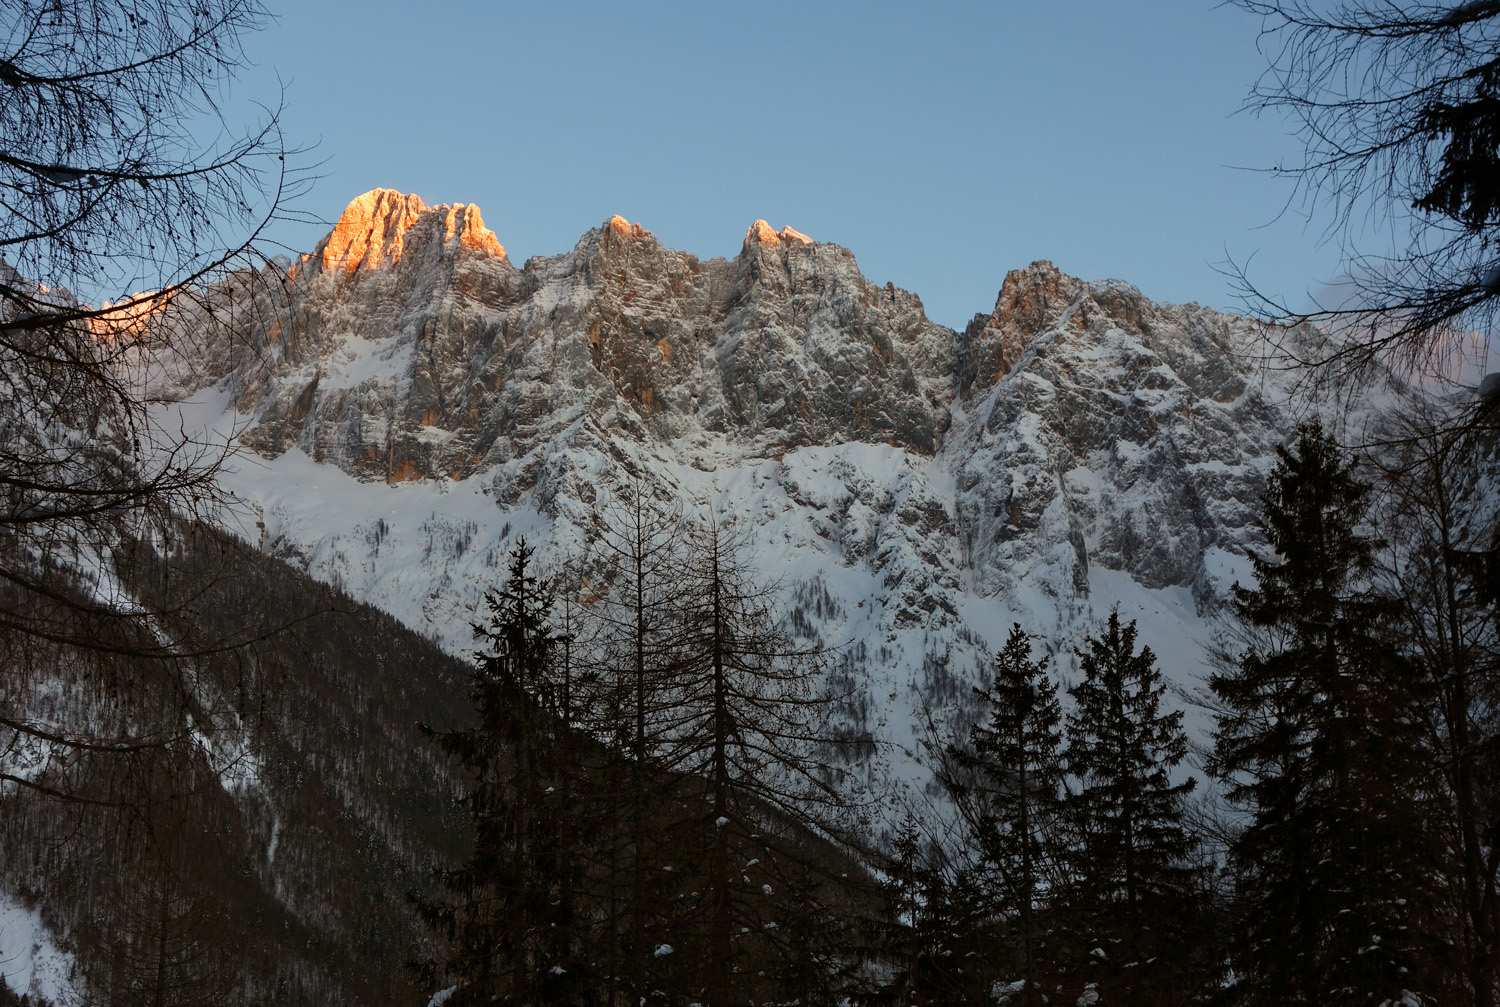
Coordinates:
column 1222, row 569
column 31, row 963
column 227, row 750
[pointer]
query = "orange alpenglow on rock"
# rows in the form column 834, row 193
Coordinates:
column 373, row 228
column 371, row 225
column 624, row 228
column 466, row 222
column 128, row 318
column 761, row 232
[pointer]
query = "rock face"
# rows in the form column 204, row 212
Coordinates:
column 1109, row 429
column 412, row 348
column 913, row 488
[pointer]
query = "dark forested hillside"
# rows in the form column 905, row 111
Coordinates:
column 266, row 835
column 269, row 818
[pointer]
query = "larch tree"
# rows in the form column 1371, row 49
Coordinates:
column 1433, row 506
column 130, row 184
column 1398, row 110
column 168, row 938
column 123, row 182
column 748, row 728
column 641, row 628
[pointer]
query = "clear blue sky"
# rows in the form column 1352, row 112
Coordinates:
column 943, row 143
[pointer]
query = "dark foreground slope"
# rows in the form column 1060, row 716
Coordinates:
column 257, row 832
column 275, row 807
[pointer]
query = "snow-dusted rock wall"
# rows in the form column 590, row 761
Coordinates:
column 418, row 402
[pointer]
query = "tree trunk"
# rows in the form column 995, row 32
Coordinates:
column 720, row 988
column 638, row 950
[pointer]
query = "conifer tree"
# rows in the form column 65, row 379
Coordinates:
column 904, row 891
column 747, row 727
column 1011, row 807
column 514, row 921
column 1129, row 884
column 935, row 936
column 1318, row 741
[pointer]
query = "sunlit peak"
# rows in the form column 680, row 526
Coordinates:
column 618, row 225
column 373, row 229
column 763, row 233
column 375, row 221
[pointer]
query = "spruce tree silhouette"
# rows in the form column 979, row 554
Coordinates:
column 1319, row 741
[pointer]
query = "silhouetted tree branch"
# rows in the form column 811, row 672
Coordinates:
column 1398, row 110
column 127, row 191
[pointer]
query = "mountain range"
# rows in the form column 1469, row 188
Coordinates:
column 405, row 404
column 411, row 403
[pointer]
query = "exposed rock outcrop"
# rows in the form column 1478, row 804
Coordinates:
column 1106, row 428
column 410, row 347
column 371, row 232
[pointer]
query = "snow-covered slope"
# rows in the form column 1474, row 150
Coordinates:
column 415, row 403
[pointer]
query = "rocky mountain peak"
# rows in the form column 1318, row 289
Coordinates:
column 418, row 350
column 762, row 233
column 1035, row 297
column 1040, row 301
column 1031, row 301
column 465, row 225
column 372, row 230
column 619, row 227
column 1081, row 425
